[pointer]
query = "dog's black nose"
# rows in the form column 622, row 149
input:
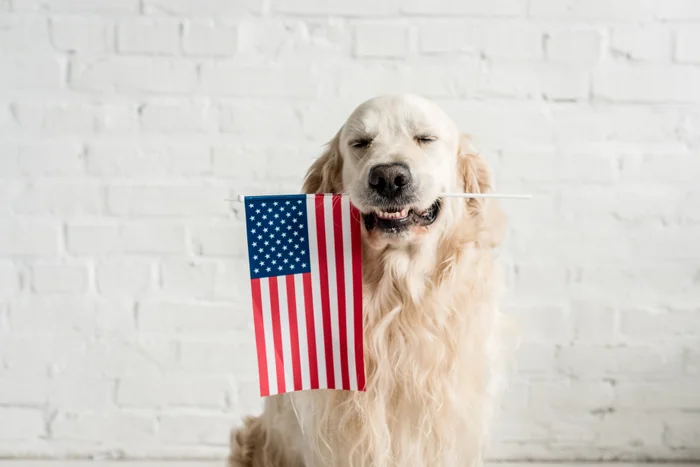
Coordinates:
column 390, row 180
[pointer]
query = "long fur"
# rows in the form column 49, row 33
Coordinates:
column 431, row 330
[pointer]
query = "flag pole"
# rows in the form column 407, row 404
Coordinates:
column 241, row 198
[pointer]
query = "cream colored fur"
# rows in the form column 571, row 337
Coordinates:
column 431, row 325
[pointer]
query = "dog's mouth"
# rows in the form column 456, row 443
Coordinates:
column 396, row 219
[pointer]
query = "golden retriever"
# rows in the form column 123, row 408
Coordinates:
column 430, row 286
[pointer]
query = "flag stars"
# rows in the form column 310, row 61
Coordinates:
column 267, row 233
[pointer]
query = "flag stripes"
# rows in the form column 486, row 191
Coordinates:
column 308, row 326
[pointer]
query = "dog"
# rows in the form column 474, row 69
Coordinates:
column 432, row 329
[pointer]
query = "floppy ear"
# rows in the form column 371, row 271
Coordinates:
column 475, row 174
column 326, row 173
column 474, row 171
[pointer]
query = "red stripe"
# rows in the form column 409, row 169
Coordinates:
column 357, row 294
column 277, row 333
column 310, row 330
column 260, row 337
column 340, row 282
column 325, row 299
column 294, row 331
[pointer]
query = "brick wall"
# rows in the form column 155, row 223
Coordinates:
column 124, row 325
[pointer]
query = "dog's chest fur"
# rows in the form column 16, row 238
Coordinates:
column 425, row 351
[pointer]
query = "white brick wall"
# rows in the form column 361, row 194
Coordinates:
column 124, row 325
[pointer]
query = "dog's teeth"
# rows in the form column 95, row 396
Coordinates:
column 392, row 215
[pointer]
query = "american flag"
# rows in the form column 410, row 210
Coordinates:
column 305, row 259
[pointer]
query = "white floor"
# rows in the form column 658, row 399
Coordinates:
column 82, row 463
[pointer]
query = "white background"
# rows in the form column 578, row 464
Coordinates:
column 124, row 323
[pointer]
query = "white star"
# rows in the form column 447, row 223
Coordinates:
column 299, row 213
column 279, row 241
column 267, row 256
column 294, row 220
column 262, row 204
column 259, row 224
column 291, row 252
column 257, row 211
column 276, row 216
column 286, row 202
column 291, row 266
column 277, row 229
column 272, row 249
column 289, row 227
column 274, row 261
column 264, row 216
column 266, row 243
column 252, row 218
column 270, row 222
column 255, row 257
column 268, row 269
column 262, row 263
column 301, row 239
column 296, row 259
column 294, row 208
column 255, row 243
column 279, row 255
column 257, row 270
column 282, row 209
column 250, row 205
column 275, row 203
column 298, row 201
column 252, row 231
column 282, row 221
column 296, row 245
column 265, row 229
column 303, row 265
column 286, row 260
column 260, row 250
column 295, row 233
column 269, row 209
column 284, row 234
column 288, row 214
column 259, row 237
column 272, row 235
column 284, row 247
column 280, row 268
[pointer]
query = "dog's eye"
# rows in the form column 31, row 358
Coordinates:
column 360, row 143
column 425, row 138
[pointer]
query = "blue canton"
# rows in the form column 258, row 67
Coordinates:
column 278, row 240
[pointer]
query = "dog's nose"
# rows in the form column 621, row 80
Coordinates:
column 389, row 180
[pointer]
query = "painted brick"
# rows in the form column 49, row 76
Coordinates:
column 208, row 38
column 381, row 40
column 148, row 36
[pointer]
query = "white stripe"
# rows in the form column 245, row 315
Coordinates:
column 349, row 304
column 333, row 287
column 269, row 339
column 286, row 334
column 301, row 325
column 316, row 290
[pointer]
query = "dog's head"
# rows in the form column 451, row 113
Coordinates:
column 395, row 156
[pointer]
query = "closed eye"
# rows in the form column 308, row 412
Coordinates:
column 425, row 138
column 360, row 143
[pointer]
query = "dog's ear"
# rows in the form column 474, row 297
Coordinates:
column 326, row 173
column 475, row 175
column 474, row 171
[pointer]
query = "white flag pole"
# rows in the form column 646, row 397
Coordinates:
column 241, row 198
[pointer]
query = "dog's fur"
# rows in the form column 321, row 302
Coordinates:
column 431, row 325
